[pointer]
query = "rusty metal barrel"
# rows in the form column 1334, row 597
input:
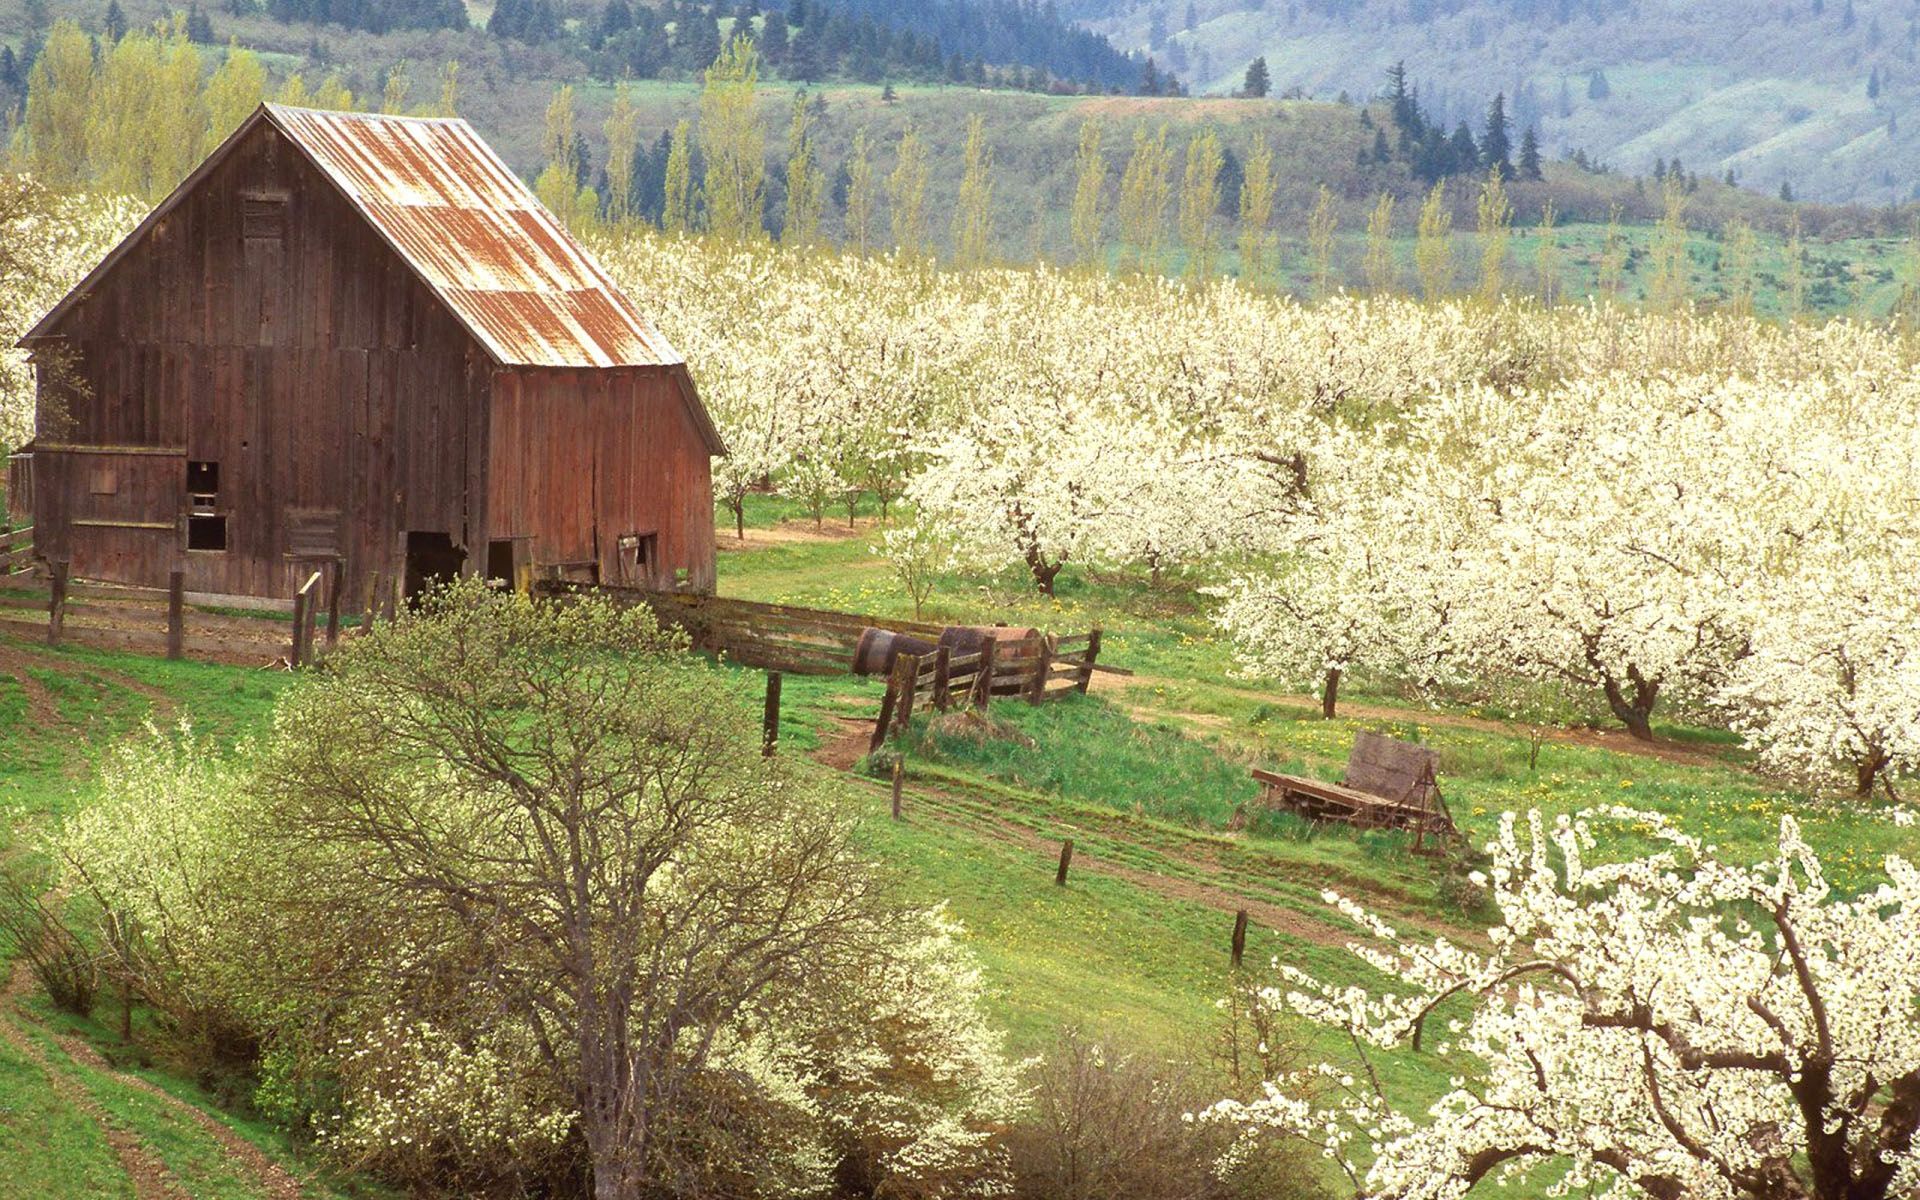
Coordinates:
column 878, row 648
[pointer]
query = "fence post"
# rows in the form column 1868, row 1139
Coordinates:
column 176, row 613
column 899, row 772
column 908, row 665
column 983, row 680
column 57, row 604
column 770, row 722
column 1239, row 936
column 297, row 655
column 884, row 725
column 1066, row 858
column 1042, row 667
column 336, row 583
column 942, row 668
column 1086, row 667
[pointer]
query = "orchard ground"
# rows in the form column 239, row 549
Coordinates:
column 1144, row 775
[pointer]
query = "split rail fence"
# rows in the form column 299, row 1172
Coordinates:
column 1036, row 669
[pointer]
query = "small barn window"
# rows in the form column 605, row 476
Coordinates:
column 102, row 481
column 263, row 219
column 639, row 555
column 206, row 525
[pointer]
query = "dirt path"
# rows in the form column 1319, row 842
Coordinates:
column 789, row 533
column 150, row 1177
column 1616, row 741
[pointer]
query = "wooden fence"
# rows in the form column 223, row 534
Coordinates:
column 16, row 551
column 1035, row 669
column 774, row 637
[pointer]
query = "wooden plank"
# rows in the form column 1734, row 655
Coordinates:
column 1092, row 657
column 176, row 617
column 1037, row 684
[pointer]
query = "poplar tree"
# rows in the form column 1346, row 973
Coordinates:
column 1089, row 192
column 179, row 111
column 1738, row 258
column 449, row 102
column 1495, row 218
column 236, row 88
column 1199, row 198
column 52, row 140
column 861, row 198
column 1321, row 224
column 558, row 186
column 676, row 215
column 1379, row 261
column 393, row 93
column 120, row 134
column 1670, row 289
column 1613, row 256
column 623, row 149
column 1433, row 244
column 734, row 143
column 1796, row 271
column 1546, row 255
column 334, row 94
column 973, row 215
column 806, row 183
column 907, row 194
column 293, row 91
column 1256, row 213
column 1143, row 196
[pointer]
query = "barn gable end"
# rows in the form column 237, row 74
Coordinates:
column 287, row 364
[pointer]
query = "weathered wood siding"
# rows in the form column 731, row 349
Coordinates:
column 580, row 458
column 318, row 372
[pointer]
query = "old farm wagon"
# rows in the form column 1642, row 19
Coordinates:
column 358, row 341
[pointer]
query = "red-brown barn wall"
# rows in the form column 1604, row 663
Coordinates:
column 320, row 375
column 580, row 458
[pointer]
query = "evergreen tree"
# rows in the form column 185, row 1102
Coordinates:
column 1873, row 84
column 1597, row 86
column 115, row 22
column 1257, row 83
column 1530, row 155
column 1496, row 146
column 199, row 26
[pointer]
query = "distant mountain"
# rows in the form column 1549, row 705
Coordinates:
column 1814, row 94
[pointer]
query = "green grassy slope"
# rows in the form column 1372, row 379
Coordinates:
column 1144, row 775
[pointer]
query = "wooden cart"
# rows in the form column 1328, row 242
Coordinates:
column 1389, row 784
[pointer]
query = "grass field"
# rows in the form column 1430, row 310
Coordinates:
column 1143, row 774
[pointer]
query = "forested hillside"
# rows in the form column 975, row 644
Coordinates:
column 1806, row 93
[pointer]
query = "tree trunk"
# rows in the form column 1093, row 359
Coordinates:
column 1635, row 711
column 1866, row 771
column 739, row 506
column 1330, row 693
column 1043, row 571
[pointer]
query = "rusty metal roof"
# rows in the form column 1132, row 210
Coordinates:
column 476, row 235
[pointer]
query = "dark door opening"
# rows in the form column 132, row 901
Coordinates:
column 431, row 559
column 500, row 561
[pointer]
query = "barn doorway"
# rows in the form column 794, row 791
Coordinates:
column 431, row 558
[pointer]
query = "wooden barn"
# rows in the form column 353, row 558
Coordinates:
column 360, row 340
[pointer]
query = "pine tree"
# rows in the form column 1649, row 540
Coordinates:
column 1258, row 82
column 1257, row 188
column 199, row 25
column 1496, row 146
column 973, row 214
column 1199, row 197
column 1089, row 193
column 1530, row 167
column 1873, row 84
column 1597, row 86
column 114, row 24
